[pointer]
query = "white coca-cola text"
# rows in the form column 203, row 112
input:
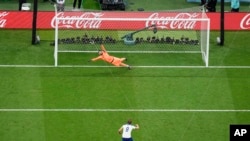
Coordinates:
column 3, row 21
column 78, row 23
column 245, row 22
column 171, row 22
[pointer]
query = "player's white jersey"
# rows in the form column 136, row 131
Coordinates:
column 60, row 1
column 127, row 129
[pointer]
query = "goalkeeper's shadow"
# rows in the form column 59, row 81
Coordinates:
column 109, row 72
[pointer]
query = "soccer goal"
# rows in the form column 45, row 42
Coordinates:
column 154, row 33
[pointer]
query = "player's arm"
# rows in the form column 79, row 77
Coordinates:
column 95, row 59
column 137, row 126
column 103, row 48
column 120, row 130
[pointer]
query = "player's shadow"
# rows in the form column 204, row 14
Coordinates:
column 110, row 71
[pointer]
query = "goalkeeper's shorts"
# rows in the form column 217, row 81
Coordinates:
column 116, row 61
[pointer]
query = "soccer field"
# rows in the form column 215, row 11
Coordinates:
column 41, row 102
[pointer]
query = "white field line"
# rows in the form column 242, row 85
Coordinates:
column 124, row 110
column 86, row 66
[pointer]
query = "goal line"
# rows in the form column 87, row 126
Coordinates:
column 83, row 66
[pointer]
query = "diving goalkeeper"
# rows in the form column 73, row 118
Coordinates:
column 103, row 55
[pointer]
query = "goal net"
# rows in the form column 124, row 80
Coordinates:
column 183, row 35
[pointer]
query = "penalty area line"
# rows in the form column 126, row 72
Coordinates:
column 124, row 110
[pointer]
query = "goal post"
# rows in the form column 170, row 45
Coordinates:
column 205, row 36
column 176, row 33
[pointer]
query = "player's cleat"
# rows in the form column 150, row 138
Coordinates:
column 129, row 67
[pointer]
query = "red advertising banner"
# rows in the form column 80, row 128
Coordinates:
column 46, row 20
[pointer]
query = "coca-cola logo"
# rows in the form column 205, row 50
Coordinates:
column 245, row 22
column 71, row 22
column 172, row 22
column 3, row 21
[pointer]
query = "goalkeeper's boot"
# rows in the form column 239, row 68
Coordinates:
column 129, row 67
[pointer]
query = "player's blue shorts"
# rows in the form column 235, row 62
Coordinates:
column 127, row 139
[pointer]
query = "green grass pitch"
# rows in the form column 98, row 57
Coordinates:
column 40, row 102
